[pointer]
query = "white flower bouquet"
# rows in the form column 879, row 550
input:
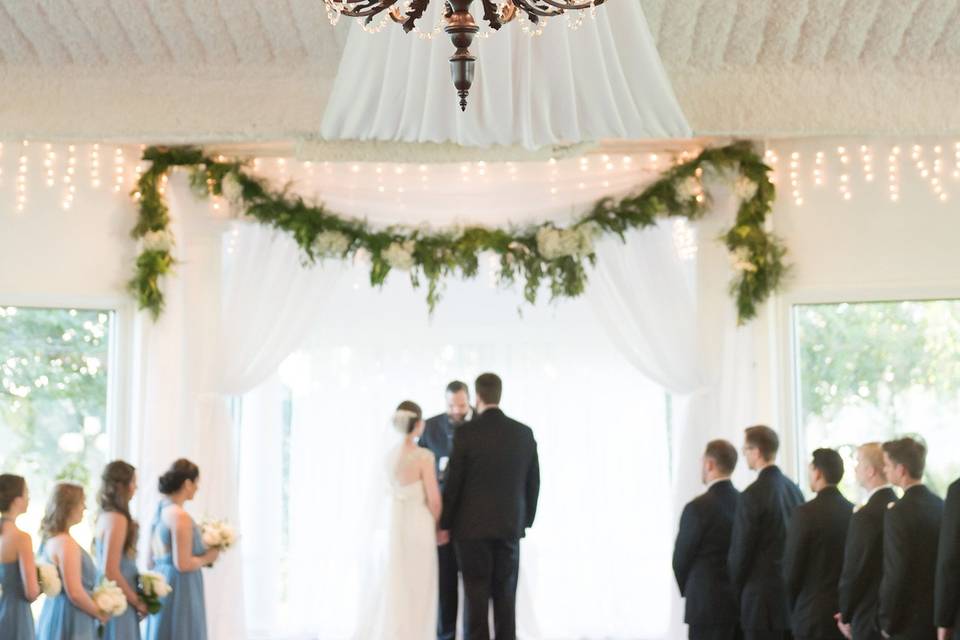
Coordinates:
column 49, row 579
column 152, row 588
column 110, row 600
column 217, row 534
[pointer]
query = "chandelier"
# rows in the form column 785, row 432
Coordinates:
column 457, row 22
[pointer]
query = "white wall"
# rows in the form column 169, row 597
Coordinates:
column 867, row 247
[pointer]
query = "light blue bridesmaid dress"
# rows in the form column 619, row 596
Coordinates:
column 125, row 626
column 59, row 619
column 183, row 616
column 16, row 620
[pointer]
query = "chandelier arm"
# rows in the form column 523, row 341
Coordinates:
column 417, row 7
column 491, row 13
column 378, row 6
column 534, row 12
column 572, row 6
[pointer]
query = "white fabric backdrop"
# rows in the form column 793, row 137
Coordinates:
column 564, row 86
column 596, row 561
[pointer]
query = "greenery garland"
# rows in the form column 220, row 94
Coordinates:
column 535, row 255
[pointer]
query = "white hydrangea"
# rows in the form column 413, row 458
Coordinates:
column 555, row 243
column 741, row 260
column 154, row 584
column 688, row 189
column 745, row 188
column 231, row 189
column 331, row 243
column 399, row 255
column 158, row 240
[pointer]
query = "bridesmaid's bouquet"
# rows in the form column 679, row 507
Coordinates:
column 217, row 534
column 49, row 579
column 110, row 600
column 153, row 587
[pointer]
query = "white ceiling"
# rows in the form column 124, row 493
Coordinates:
column 237, row 70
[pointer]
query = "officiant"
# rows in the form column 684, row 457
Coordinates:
column 438, row 438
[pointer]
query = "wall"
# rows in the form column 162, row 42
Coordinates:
column 862, row 246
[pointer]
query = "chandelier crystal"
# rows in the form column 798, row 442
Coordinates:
column 458, row 23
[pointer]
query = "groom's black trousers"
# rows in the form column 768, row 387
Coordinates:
column 490, row 569
column 449, row 592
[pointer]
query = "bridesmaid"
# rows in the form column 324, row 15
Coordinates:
column 179, row 554
column 72, row 615
column 116, row 544
column 18, row 572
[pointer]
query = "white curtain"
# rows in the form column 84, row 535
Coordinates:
column 595, row 563
column 564, row 86
column 228, row 324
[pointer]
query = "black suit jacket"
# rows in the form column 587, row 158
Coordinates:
column 700, row 556
column 911, row 531
column 755, row 561
column 812, row 563
column 863, row 566
column 493, row 479
column 947, row 609
column 438, row 437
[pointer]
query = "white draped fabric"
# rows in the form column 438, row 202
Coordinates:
column 562, row 87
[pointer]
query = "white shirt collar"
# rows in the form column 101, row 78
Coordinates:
column 713, row 482
column 881, row 487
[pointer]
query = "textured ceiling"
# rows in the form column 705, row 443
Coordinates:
column 262, row 69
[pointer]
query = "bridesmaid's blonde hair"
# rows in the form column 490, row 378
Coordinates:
column 64, row 499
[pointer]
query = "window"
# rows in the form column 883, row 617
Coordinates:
column 53, row 400
column 874, row 371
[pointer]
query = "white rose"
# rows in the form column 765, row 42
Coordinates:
column 745, row 188
column 49, row 580
column 211, row 538
column 158, row 240
column 399, row 255
column 331, row 243
column 741, row 260
column 688, row 189
column 549, row 243
column 231, row 189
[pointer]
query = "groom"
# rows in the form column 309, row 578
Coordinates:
column 490, row 499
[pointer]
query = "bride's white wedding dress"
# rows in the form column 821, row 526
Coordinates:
column 408, row 606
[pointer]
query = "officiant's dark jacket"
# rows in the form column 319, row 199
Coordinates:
column 911, row 532
column 863, row 566
column 493, row 479
column 755, row 561
column 700, row 557
column 438, row 437
column 813, row 561
column 947, row 609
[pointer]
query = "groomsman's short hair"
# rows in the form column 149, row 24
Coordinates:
column 909, row 452
column 830, row 464
column 723, row 454
column 489, row 388
column 764, row 439
column 457, row 386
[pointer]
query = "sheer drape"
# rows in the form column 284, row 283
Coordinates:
column 564, row 86
column 227, row 326
column 596, row 561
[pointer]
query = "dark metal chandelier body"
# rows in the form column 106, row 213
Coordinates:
column 459, row 24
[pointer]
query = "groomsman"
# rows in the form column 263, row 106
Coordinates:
column 759, row 535
column 438, row 438
column 948, row 568
column 863, row 554
column 911, row 531
column 703, row 541
column 814, row 552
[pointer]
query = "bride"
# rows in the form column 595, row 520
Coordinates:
column 409, row 604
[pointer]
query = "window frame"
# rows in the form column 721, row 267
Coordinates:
column 120, row 353
column 785, row 352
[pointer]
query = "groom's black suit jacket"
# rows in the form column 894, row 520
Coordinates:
column 493, row 479
column 700, row 557
column 947, row 609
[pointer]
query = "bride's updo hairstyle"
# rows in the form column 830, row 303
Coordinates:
column 178, row 473
column 406, row 417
